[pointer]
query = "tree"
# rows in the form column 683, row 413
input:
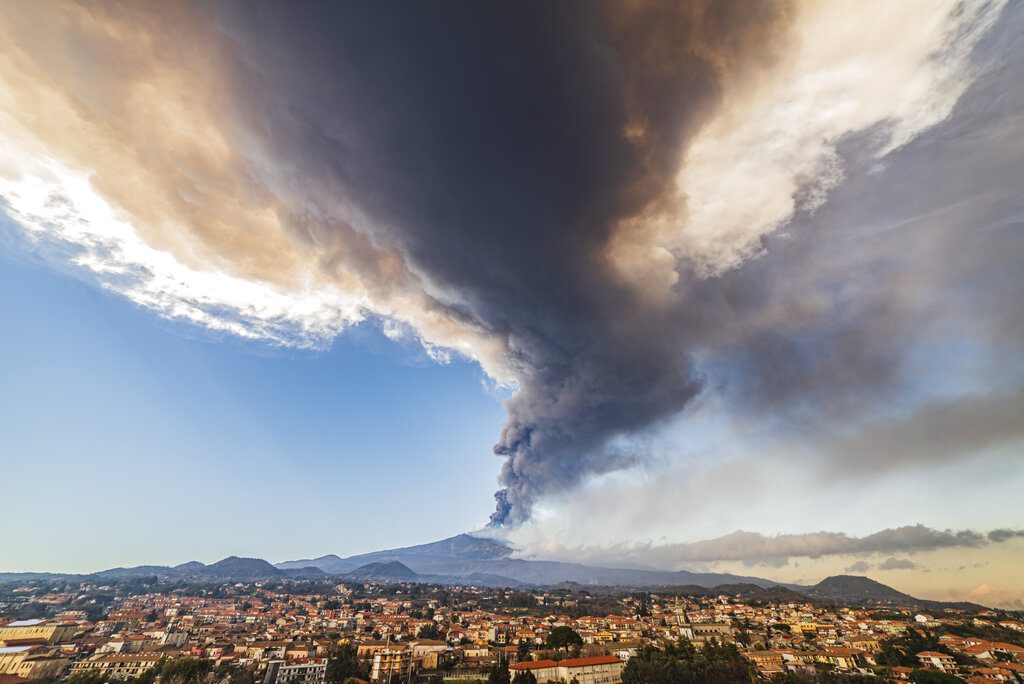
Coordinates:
column 87, row 678
column 343, row 665
column 524, row 677
column 563, row 637
column 429, row 632
column 684, row 664
column 643, row 604
column 904, row 650
column 233, row 674
column 183, row 670
column 499, row 674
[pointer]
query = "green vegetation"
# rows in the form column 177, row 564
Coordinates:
column 429, row 632
column 87, row 678
column 499, row 674
column 564, row 637
column 344, row 664
column 685, row 664
column 903, row 650
column 987, row 632
column 524, row 677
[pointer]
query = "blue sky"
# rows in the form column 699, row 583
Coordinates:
column 116, row 424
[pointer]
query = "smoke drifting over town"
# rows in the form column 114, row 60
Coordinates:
column 602, row 204
column 753, row 548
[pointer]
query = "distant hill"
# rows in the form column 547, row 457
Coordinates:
column 234, row 567
column 775, row 593
column 127, row 573
column 864, row 591
column 308, row 572
column 856, row 588
column 479, row 579
column 392, row 571
column 230, row 568
column 190, row 566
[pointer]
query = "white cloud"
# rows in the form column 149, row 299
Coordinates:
column 897, row 68
column 53, row 203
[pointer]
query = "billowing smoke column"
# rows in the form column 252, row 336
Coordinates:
column 561, row 191
column 596, row 360
column 500, row 147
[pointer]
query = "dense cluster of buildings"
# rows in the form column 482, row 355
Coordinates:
column 408, row 633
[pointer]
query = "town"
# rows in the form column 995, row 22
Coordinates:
column 146, row 629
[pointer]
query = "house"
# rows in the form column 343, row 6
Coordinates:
column 368, row 648
column 118, row 666
column 35, row 631
column 300, row 650
column 939, row 661
column 543, row 670
column 421, row 647
column 594, row 670
column 701, row 632
column 840, row 658
column 30, row 662
column 1008, row 651
column 302, row 671
column 867, row 643
column 901, row 673
column 764, row 660
column 390, row 661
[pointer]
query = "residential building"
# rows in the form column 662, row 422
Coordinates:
column 30, row 662
column 389, row 662
column 543, row 670
column 302, row 671
column 38, row 631
column 596, row 670
column 939, row 661
column 118, row 666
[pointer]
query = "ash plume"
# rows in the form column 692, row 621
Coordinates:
column 507, row 184
column 611, row 207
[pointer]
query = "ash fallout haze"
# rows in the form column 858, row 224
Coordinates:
column 724, row 286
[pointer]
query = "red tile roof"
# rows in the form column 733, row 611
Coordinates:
column 583, row 662
column 533, row 665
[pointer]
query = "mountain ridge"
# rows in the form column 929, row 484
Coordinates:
column 464, row 555
column 466, row 560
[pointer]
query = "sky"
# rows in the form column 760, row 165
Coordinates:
column 674, row 284
column 138, row 440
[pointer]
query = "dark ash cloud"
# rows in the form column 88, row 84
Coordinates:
column 496, row 148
